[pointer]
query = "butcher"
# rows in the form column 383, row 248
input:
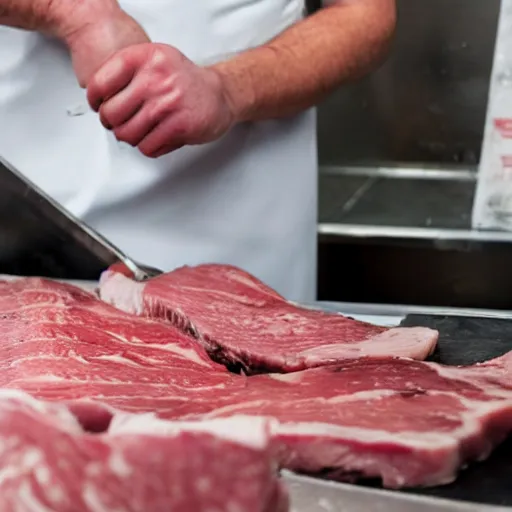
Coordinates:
column 184, row 131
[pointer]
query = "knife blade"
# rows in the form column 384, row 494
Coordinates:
column 38, row 236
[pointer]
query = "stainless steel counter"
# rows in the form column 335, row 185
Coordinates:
column 400, row 197
column 310, row 495
column 404, row 235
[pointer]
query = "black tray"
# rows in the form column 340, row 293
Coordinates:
column 465, row 341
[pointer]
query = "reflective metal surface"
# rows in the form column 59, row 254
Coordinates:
column 406, row 238
column 403, row 172
column 399, row 311
column 389, row 201
column 309, row 495
column 427, row 104
column 423, row 270
column 39, row 237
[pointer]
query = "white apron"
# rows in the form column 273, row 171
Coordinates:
column 249, row 199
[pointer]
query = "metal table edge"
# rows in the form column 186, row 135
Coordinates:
column 313, row 495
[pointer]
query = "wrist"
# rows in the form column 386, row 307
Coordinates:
column 237, row 90
column 72, row 19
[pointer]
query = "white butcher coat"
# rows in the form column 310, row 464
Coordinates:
column 249, row 199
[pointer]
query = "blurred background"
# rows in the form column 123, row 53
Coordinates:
column 399, row 154
column 427, row 104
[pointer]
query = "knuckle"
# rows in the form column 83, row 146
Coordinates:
column 147, row 150
column 158, row 108
column 178, row 95
column 158, row 60
column 95, row 83
column 163, row 62
column 124, row 136
column 94, row 95
column 157, row 56
column 148, row 84
column 183, row 127
column 153, row 109
column 105, row 122
column 105, row 115
column 180, row 130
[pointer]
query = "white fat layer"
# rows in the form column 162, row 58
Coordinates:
column 27, row 501
column 32, row 462
column 118, row 465
column 186, row 353
column 122, row 292
column 92, row 499
column 478, row 376
column 11, row 398
column 236, row 297
column 471, row 418
column 37, row 305
column 250, row 431
column 413, row 342
column 291, row 378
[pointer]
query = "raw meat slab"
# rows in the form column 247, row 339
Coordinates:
column 467, row 340
column 62, row 343
column 243, row 323
column 48, row 463
column 409, row 423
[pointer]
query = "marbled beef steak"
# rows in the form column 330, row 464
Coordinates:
column 49, row 463
column 242, row 322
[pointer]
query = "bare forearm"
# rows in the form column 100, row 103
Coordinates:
column 305, row 63
column 55, row 17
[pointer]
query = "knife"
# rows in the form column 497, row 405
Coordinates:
column 39, row 237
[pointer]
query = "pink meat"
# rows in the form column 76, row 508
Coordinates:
column 407, row 422
column 49, row 463
column 241, row 321
column 61, row 343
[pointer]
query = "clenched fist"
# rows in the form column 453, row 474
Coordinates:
column 152, row 97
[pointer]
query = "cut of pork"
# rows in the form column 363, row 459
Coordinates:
column 407, row 422
column 48, row 463
column 242, row 322
column 62, row 343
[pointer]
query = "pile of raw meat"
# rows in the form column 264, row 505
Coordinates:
column 190, row 391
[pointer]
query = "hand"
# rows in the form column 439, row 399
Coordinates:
column 94, row 43
column 153, row 97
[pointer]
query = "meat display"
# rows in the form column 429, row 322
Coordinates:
column 49, row 463
column 243, row 323
column 407, row 422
